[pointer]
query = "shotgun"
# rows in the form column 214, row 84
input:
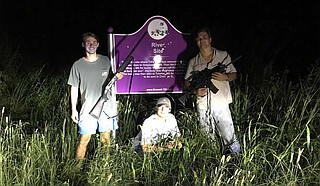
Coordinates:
column 97, row 109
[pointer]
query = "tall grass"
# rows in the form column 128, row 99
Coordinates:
column 277, row 123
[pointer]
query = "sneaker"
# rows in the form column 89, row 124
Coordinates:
column 235, row 147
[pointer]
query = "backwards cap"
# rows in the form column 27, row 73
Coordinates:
column 164, row 101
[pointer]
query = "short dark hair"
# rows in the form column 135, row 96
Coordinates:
column 203, row 29
column 89, row 34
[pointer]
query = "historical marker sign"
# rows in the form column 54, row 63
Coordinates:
column 160, row 58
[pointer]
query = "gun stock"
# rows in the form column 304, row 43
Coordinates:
column 97, row 109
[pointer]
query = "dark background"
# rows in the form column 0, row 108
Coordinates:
column 48, row 32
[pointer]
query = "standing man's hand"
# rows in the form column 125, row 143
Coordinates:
column 75, row 116
column 224, row 76
column 220, row 76
column 201, row 92
column 120, row 75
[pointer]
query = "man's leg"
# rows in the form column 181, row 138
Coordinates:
column 105, row 138
column 107, row 124
column 226, row 129
column 205, row 123
column 82, row 146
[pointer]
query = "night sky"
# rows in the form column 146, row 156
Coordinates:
column 48, row 32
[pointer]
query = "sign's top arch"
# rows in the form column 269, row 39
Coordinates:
column 160, row 58
column 157, row 27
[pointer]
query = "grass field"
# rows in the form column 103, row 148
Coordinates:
column 277, row 123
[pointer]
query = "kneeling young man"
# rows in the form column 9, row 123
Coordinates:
column 160, row 131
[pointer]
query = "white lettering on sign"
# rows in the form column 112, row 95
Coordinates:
column 158, row 48
column 156, row 45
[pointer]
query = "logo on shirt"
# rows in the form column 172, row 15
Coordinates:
column 104, row 74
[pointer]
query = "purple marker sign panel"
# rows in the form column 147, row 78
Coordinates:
column 159, row 60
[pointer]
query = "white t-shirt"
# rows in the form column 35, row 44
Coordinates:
column 155, row 129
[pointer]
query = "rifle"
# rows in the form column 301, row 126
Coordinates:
column 97, row 109
column 202, row 79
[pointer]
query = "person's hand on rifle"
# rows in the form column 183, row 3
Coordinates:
column 224, row 76
column 176, row 143
column 201, row 92
column 220, row 76
column 120, row 75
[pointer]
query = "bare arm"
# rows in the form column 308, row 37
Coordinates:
column 176, row 143
column 74, row 100
column 147, row 148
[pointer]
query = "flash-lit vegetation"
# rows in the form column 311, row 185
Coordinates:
column 277, row 123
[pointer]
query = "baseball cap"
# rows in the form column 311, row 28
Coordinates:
column 164, row 101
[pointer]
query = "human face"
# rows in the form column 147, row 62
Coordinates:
column 203, row 40
column 163, row 111
column 91, row 45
